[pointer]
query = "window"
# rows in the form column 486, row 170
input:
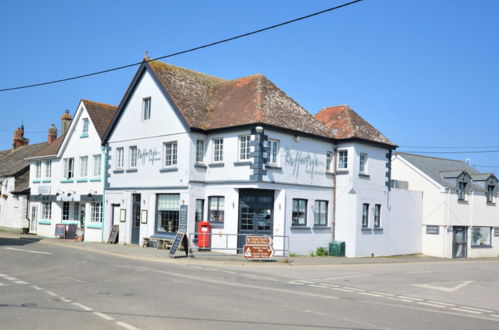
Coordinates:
column 199, row 151
column 218, row 150
column 299, row 215
column 97, row 165
column 76, row 211
column 132, row 155
column 96, row 212
column 48, row 168
column 216, row 209
column 320, row 213
column 377, row 216
column 83, row 166
column 68, row 168
column 461, row 191
column 65, row 210
column 199, row 214
column 170, row 153
column 38, row 170
column 365, row 215
column 244, row 147
column 46, row 210
column 481, row 236
column 343, row 159
column 167, row 213
column 146, row 108
column 329, row 161
column 119, row 157
column 273, row 152
column 363, row 164
column 85, row 126
column 490, row 193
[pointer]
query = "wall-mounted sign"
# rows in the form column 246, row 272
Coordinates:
column 122, row 215
column 143, row 216
column 151, row 155
column 432, row 230
column 309, row 160
column 182, row 226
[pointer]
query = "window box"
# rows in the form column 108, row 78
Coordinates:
column 47, row 181
column 168, row 169
column 95, row 180
column 82, row 180
column 481, row 237
column 216, row 165
column 36, row 181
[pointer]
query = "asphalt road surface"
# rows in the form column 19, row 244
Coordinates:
column 48, row 286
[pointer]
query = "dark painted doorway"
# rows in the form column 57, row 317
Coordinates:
column 135, row 218
column 459, row 242
column 256, row 213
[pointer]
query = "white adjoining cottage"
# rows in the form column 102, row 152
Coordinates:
column 460, row 214
column 70, row 189
column 186, row 147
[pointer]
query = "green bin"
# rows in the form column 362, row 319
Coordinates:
column 336, row 249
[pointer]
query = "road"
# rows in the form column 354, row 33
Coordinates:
column 48, row 286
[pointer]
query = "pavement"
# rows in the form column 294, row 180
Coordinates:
column 153, row 254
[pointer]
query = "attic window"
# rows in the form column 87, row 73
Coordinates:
column 85, row 126
column 146, row 108
column 461, row 191
column 490, row 193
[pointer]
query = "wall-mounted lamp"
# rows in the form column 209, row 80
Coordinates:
column 259, row 129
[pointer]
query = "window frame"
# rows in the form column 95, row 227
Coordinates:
column 481, row 245
column 200, row 153
column 363, row 166
column 65, row 211
column 220, row 211
column 220, row 152
column 48, row 168
column 321, row 219
column 177, row 215
column 46, row 210
column 461, row 191
column 244, row 147
column 38, row 170
column 274, row 147
column 365, row 215
column 97, row 165
column 96, row 212
column 342, row 159
column 377, row 216
column 120, row 158
column 329, row 161
column 489, row 193
column 132, row 156
column 170, row 154
column 83, row 169
column 146, row 108
column 68, row 168
column 295, row 221
column 85, row 126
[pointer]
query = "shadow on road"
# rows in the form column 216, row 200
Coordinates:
column 4, row 241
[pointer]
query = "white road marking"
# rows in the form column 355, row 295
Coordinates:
column 297, row 283
column 495, row 316
column 384, row 294
column 371, row 294
column 126, row 326
column 412, row 298
column 305, row 281
column 420, row 272
column 341, row 289
column 465, row 310
column 349, row 288
column 197, row 267
column 21, row 282
column 438, row 286
column 82, row 306
column 36, row 287
column 30, row 251
column 3, row 275
column 441, row 303
column 104, row 316
column 229, row 272
column 10, row 278
column 430, row 304
column 342, row 277
column 398, row 299
column 318, row 286
column 332, row 285
column 64, row 299
column 477, row 309
column 51, row 293
column 1, row 284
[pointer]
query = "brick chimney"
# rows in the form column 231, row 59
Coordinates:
column 66, row 122
column 19, row 140
column 52, row 134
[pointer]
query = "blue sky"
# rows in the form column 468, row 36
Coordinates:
column 425, row 73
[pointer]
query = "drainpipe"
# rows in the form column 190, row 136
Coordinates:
column 447, row 224
column 104, row 181
column 27, row 213
column 333, row 222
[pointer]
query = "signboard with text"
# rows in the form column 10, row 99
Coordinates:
column 258, row 240
column 260, row 252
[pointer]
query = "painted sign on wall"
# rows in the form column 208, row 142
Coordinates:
column 299, row 159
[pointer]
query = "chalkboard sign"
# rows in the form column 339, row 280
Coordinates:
column 182, row 226
column 179, row 238
column 113, row 235
column 71, row 234
column 60, row 230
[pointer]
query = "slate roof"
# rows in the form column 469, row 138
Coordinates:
column 13, row 161
column 21, row 184
column 101, row 115
column 348, row 124
column 207, row 102
column 440, row 168
column 50, row 149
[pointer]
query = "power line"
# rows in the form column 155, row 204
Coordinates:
column 183, row 51
column 451, row 152
column 450, row 147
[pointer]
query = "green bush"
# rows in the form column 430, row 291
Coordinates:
column 321, row 251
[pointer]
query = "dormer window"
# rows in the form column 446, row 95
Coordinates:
column 461, row 191
column 490, row 193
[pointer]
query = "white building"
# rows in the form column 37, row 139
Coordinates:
column 460, row 215
column 70, row 187
column 185, row 147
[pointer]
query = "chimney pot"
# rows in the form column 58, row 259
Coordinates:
column 52, row 134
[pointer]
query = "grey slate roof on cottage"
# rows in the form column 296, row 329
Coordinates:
column 443, row 170
column 13, row 161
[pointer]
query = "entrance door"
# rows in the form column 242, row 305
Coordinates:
column 459, row 242
column 135, row 218
column 82, row 215
column 256, row 209
column 34, row 219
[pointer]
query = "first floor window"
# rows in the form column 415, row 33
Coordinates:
column 329, row 162
column 48, row 168
column 377, row 216
column 83, row 166
column 244, row 147
column 68, row 168
column 97, row 165
column 216, row 209
column 365, row 215
column 481, row 236
column 320, row 213
column 46, row 210
column 96, row 212
column 273, row 152
column 170, row 153
column 199, row 151
column 38, row 170
column 490, row 193
column 343, row 159
column 218, row 150
column 167, row 213
column 65, row 210
column 461, row 191
column 299, row 214
column 132, row 157
column 120, row 157
column 363, row 163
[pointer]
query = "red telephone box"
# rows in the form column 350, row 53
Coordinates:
column 204, row 235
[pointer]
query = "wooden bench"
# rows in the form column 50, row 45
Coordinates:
column 162, row 243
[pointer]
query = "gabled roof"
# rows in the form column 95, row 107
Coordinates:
column 13, row 161
column 345, row 123
column 51, row 149
column 101, row 115
column 206, row 102
column 439, row 169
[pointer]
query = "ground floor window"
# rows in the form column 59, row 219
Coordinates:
column 320, row 213
column 299, row 214
column 480, row 236
column 216, row 209
column 199, row 214
column 167, row 213
column 65, row 210
column 96, row 213
column 76, row 211
column 46, row 210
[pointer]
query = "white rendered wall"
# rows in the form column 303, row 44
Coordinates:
column 12, row 207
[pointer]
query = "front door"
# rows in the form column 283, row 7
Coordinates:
column 459, row 242
column 82, row 215
column 256, row 210
column 135, row 218
column 34, row 219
